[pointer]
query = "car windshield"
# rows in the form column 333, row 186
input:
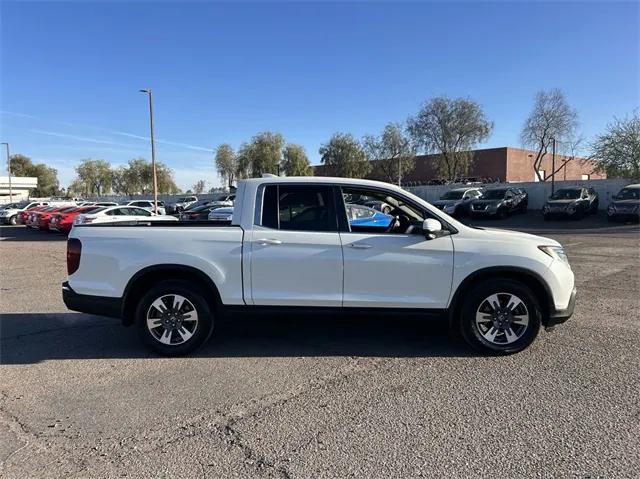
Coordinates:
column 453, row 195
column 16, row 205
column 566, row 195
column 629, row 194
column 494, row 194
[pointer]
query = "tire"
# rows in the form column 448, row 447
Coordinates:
column 13, row 220
column 509, row 337
column 171, row 341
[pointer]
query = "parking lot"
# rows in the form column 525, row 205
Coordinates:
column 305, row 397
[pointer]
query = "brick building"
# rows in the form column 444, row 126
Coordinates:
column 497, row 164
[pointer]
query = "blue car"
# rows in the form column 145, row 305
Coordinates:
column 360, row 215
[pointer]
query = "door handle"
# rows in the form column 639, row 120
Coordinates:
column 269, row 241
column 359, row 245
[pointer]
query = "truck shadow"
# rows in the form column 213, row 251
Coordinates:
column 22, row 233
column 29, row 338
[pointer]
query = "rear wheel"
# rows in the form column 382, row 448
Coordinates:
column 174, row 318
column 500, row 317
column 13, row 220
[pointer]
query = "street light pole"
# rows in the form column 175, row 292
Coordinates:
column 153, row 151
column 9, row 171
column 553, row 167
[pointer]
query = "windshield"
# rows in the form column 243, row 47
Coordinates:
column 452, row 195
column 629, row 194
column 16, row 205
column 494, row 194
column 566, row 195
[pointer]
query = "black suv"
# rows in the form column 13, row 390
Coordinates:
column 499, row 202
column 575, row 202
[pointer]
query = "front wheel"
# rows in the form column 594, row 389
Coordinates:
column 174, row 318
column 13, row 220
column 500, row 317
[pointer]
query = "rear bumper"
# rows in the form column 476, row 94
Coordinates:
column 558, row 316
column 84, row 303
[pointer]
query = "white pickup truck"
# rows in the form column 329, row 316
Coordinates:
column 292, row 246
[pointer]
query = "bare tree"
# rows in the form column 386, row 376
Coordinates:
column 551, row 118
column 450, row 128
column 392, row 152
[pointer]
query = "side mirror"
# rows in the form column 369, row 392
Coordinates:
column 431, row 228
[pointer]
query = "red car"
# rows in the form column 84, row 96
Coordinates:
column 32, row 217
column 22, row 218
column 62, row 221
column 43, row 217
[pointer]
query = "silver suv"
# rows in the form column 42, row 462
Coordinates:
column 9, row 213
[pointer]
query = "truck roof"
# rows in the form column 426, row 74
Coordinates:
column 317, row 179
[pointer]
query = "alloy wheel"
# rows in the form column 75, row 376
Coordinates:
column 172, row 319
column 502, row 318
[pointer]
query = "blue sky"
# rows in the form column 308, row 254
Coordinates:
column 222, row 72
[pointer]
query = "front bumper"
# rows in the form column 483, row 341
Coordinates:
column 84, row 303
column 559, row 316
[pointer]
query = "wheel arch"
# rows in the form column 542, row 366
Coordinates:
column 150, row 275
column 529, row 278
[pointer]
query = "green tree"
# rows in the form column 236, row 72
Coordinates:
column 96, row 175
column 450, row 128
column 262, row 154
column 551, row 118
column 295, row 161
column 617, row 150
column 226, row 163
column 137, row 178
column 199, row 187
column 48, row 184
column 392, row 152
column 343, row 156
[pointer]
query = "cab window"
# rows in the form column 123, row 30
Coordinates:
column 298, row 208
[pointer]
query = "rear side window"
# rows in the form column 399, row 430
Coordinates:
column 298, row 208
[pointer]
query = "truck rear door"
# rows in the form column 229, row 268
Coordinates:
column 295, row 249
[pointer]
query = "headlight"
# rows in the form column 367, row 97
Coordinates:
column 449, row 208
column 611, row 209
column 545, row 209
column 556, row 252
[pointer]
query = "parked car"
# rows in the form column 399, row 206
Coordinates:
column 63, row 221
column 221, row 215
column 378, row 205
column 574, row 202
column 291, row 247
column 200, row 213
column 42, row 218
column 112, row 214
column 456, row 202
column 498, row 202
column 184, row 203
column 147, row 205
column 33, row 214
column 24, row 215
column 625, row 205
column 10, row 213
column 105, row 203
column 360, row 215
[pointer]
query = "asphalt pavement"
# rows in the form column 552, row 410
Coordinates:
column 305, row 397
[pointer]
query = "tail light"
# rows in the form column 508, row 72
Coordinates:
column 74, row 250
